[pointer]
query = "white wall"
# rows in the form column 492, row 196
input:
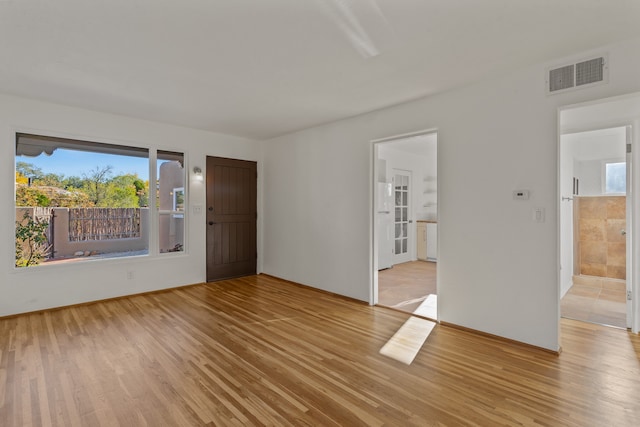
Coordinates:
column 34, row 288
column 590, row 149
column 498, row 270
column 589, row 172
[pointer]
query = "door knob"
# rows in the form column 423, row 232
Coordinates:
column 623, row 232
column 211, row 222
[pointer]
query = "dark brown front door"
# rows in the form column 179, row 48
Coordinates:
column 231, row 218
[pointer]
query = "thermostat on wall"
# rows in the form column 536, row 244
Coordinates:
column 521, row 195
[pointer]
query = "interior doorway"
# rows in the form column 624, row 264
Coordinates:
column 598, row 192
column 406, row 218
column 597, row 214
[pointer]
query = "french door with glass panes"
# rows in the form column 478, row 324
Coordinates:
column 402, row 216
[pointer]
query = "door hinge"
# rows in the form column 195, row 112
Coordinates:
column 629, row 295
column 628, row 148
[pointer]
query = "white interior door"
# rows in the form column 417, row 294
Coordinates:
column 403, row 236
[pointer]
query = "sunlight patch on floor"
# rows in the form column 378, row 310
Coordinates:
column 428, row 308
column 405, row 344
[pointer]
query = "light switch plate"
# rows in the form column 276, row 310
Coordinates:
column 538, row 214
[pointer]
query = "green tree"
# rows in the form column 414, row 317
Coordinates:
column 29, row 170
column 73, row 183
column 51, row 180
column 32, row 245
column 95, row 184
column 31, row 196
column 121, row 193
column 142, row 191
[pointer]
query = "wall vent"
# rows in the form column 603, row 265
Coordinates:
column 580, row 74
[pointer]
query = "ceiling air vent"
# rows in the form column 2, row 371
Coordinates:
column 580, row 74
column 561, row 78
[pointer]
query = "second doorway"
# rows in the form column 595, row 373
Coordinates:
column 407, row 224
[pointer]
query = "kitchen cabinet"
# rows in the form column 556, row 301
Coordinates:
column 432, row 241
column 421, row 240
column 427, row 240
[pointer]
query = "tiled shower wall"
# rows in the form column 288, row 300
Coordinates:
column 601, row 245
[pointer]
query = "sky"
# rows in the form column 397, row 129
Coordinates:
column 79, row 163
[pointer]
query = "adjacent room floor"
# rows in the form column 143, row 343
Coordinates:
column 596, row 300
column 405, row 286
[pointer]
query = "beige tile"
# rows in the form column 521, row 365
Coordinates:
column 593, row 253
column 616, row 207
column 592, row 230
column 583, row 291
column 604, row 319
column 592, row 208
column 614, row 284
column 613, row 230
column 615, row 296
column 616, row 254
column 593, row 269
column 616, row 272
column 589, row 281
column 594, row 304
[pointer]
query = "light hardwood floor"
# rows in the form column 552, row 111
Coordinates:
column 261, row 351
column 406, row 282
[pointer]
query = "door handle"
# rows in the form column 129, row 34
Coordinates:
column 211, row 223
column 623, row 232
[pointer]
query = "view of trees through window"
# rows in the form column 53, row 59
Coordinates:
column 77, row 199
column 97, row 187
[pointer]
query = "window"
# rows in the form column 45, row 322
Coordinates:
column 178, row 202
column 80, row 200
column 171, row 201
column 615, row 178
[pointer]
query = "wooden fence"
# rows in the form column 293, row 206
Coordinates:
column 103, row 223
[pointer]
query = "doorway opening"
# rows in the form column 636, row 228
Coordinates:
column 596, row 209
column 406, row 224
column 598, row 195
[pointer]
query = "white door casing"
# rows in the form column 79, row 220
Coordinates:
column 629, row 225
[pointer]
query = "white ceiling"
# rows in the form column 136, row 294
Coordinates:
column 261, row 68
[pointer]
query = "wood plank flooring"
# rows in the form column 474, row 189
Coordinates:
column 260, row 351
column 402, row 286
